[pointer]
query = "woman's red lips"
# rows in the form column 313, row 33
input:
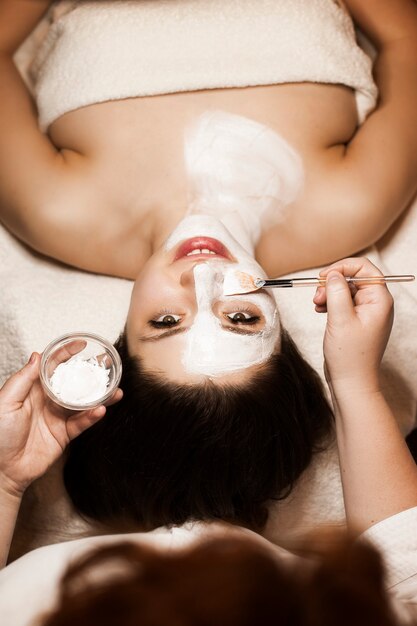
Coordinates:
column 207, row 246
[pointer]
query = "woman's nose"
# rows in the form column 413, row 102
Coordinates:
column 206, row 282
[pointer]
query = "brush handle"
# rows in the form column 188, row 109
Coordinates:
column 307, row 282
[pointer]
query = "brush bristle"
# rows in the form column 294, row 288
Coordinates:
column 238, row 282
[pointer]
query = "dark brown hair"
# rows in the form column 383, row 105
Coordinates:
column 171, row 453
column 226, row 582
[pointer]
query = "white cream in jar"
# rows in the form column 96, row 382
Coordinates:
column 80, row 381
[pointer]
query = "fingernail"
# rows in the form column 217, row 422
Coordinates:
column 32, row 358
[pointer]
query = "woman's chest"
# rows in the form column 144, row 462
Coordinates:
column 145, row 151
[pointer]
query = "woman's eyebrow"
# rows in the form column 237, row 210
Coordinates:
column 184, row 329
column 166, row 333
column 242, row 331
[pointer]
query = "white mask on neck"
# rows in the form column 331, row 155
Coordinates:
column 236, row 164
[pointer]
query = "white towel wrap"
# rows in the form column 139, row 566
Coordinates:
column 99, row 51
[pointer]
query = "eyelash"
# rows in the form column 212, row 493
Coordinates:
column 155, row 324
column 253, row 319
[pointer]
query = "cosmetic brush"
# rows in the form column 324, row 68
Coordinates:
column 239, row 282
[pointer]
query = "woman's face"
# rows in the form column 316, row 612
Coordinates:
column 182, row 325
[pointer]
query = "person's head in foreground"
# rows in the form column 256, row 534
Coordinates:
column 230, row 581
column 220, row 412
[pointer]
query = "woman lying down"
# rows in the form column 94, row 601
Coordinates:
column 379, row 485
column 177, row 187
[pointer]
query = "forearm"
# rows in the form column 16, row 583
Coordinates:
column 26, row 155
column 388, row 138
column 16, row 104
column 380, row 161
column 9, row 509
column 384, row 21
column 379, row 476
column 23, row 153
column 17, row 19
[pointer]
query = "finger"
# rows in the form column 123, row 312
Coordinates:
column 66, row 352
column 340, row 308
column 104, row 359
column 362, row 293
column 320, row 296
column 79, row 422
column 319, row 300
column 353, row 266
column 116, row 397
column 17, row 387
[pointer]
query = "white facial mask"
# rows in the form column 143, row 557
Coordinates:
column 209, row 349
column 213, row 350
column 236, row 164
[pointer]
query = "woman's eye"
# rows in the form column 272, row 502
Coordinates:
column 242, row 318
column 166, row 320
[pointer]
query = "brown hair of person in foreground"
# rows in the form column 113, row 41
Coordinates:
column 224, row 582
